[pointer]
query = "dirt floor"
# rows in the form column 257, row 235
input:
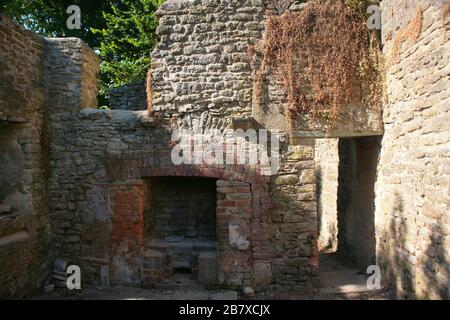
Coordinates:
column 132, row 293
column 339, row 280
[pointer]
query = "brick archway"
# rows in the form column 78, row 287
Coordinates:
column 119, row 169
column 242, row 221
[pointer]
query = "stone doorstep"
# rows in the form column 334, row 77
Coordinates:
column 178, row 282
column 199, row 245
column 5, row 208
column 181, row 264
column 150, row 253
column 206, row 270
column 343, row 282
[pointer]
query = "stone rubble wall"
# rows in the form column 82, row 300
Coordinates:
column 128, row 97
column 201, row 78
column 72, row 85
column 97, row 160
column 113, row 148
column 201, row 74
column 412, row 189
column 45, row 79
column 22, row 71
column 270, row 105
column 294, row 215
column 24, row 164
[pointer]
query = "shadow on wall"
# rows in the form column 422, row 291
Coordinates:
column 416, row 267
column 438, row 276
column 318, row 174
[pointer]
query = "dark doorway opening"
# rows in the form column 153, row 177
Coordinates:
column 358, row 160
column 344, row 268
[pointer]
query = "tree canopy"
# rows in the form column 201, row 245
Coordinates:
column 123, row 32
column 127, row 40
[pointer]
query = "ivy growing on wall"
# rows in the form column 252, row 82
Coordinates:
column 339, row 58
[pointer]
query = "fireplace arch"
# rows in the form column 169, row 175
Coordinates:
column 243, row 233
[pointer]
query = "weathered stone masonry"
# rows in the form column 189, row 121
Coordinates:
column 201, row 78
column 23, row 161
column 83, row 177
column 128, row 97
column 412, row 189
column 37, row 75
column 201, row 74
column 113, row 148
column 102, row 155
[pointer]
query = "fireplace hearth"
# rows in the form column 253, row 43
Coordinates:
column 180, row 230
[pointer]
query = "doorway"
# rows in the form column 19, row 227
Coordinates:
column 346, row 181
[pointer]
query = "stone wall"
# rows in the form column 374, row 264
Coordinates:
column 201, row 77
column 98, row 155
column 22, row 54
column 114, row 148
column 270, row 103
column 200, row 70
column 97, row 161
column 294, row 215
column 24, row 163
column 202, row 74
column 412, row 189
column 128, row 97
column 42, row 79
column 72, row 73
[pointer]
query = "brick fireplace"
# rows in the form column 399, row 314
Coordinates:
column 180, row 230
column 190, row 224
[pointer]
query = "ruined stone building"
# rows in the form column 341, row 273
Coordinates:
column 98, row 188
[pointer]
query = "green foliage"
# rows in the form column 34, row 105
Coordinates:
column 123, row 32
column 356, row 4
column 49, row 17
column 127, row 40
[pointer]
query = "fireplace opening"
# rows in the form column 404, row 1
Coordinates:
column 183, row 270
column 180, row 230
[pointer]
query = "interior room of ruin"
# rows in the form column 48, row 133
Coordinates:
column 97, row 188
